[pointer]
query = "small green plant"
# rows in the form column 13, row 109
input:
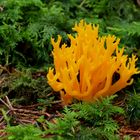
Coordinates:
column 87, row 121
column 64, row 126
column 98, row 116
column 133, row 110
column 21, row 132
column 99, row 111
column 25, row 88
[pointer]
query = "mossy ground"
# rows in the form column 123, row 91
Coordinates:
column 28, row 101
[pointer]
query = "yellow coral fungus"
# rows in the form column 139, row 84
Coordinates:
column 85, row 69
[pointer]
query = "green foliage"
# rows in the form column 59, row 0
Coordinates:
column 24, row 79
column 137, row 83
column 133, row 110
column 19, row 86
column 87, row 121
column 99, row 117
column 21, row 132
column 130, row 29
column 24, row 87
column 25, row 31
column 27, row 26
column 64, row 126
column 101, row 110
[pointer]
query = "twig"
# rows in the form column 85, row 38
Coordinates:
column 131, row 132
column 24, row 116
column 3, row 117
column 8, row 101
column 4, row 103
column 30, row 106
column 56, row 102
column 4, row 68
column 26, row 121
column 2, row 134
column 138, row 2
column 82, row 3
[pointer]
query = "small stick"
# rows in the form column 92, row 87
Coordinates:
column 132, row 132
column 4, row 103
column 8, row 101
